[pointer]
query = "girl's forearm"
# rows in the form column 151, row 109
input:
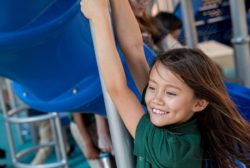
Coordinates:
column 107, row 55
column 112, row 72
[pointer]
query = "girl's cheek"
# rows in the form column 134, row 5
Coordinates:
column 148, row 97
column 171, row 102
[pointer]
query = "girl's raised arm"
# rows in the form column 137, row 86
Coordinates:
column 130, row 40
column 110, row 64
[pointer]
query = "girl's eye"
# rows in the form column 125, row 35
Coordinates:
column 170, row 93
column 151, row 88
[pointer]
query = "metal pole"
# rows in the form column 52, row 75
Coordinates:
column 13, row 104
column 166, row 5
column 189, row 23
column 158, row 6
column 59, row 136
column 8, row 127
column 240, row 41
column 120, row 137
column 150, row 6
column 175, row 2
column 12, row 98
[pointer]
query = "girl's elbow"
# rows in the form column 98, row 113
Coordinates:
column 137, row 45
column 115, row 89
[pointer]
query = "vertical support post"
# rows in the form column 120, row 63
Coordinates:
column 189, row 23
column 120, row 137
column 175, row 2
column 158, row 5
column 59, row 135
column 150, row 6
column 166, row 5
column 240, row 41
column 7, row 125
column 54, row 134
column 13, row 104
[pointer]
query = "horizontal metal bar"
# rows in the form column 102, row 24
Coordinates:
column 19, row 120
column 17, row 110
column 24, row 152
column 241, row 40
column 48, row 165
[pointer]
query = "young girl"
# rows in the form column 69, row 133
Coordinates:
column 191, row 121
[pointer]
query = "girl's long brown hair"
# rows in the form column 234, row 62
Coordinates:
column 225, row 134
column 146, row 24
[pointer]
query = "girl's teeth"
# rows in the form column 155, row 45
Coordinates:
column 158, row 111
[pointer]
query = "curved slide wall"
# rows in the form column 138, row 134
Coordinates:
column 47, row 50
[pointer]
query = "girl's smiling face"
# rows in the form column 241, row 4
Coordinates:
column 169, row 100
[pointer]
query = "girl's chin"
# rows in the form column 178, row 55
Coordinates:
column 157, row 123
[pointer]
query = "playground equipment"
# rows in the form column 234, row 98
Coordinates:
column 48, row 52
column 14, row 116
column 240, row 96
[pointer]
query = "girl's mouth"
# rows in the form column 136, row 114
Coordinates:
column 159, row 112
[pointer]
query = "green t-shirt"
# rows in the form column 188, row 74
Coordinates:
column 161, row 148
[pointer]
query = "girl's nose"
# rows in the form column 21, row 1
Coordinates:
column 158, row 99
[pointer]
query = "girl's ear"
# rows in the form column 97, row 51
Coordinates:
column 200, row 105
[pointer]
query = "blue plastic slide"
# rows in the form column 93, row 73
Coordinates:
column 47, row 50
column 241, row 97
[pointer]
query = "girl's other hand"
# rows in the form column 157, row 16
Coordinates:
column 93, row 8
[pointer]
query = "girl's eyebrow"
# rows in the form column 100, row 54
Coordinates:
column 152, row 80
column 168, row 85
